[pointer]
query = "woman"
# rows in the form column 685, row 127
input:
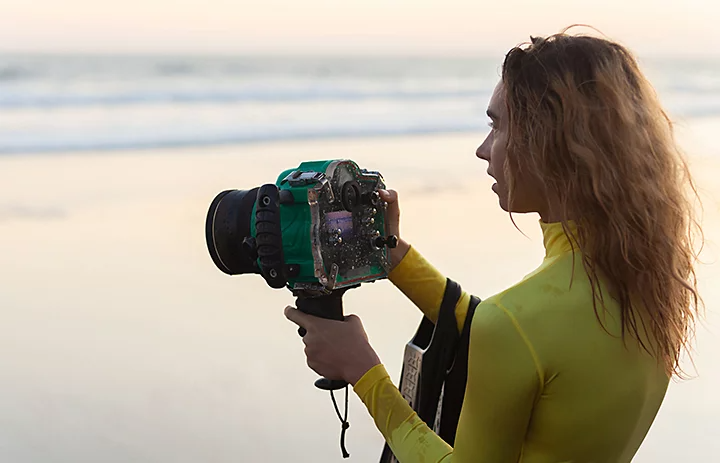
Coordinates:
column 572, row 363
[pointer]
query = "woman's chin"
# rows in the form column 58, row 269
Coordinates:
column 501, row 200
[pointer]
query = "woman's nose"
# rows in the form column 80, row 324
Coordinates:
column 483, row 151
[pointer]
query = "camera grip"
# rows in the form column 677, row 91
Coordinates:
column 328, row 306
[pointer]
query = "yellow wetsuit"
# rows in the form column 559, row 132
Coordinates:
column 546, row 382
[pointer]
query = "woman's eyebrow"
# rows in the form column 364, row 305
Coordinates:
column 491, row 114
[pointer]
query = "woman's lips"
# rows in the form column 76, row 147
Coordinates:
column 494, row 185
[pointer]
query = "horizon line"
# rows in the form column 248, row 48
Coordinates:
column 349, row 54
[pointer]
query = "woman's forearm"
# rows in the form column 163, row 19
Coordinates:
column 424, row 284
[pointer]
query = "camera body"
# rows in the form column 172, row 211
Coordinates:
column 319, row 228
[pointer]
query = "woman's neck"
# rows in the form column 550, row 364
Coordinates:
column 552, row 214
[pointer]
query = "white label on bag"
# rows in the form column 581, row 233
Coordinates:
column 411, row 377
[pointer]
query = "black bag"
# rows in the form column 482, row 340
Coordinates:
column 434, row 370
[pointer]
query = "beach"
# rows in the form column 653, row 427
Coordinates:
column 122, row 342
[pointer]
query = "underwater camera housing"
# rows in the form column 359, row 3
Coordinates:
column 318, row 231
column 319, row 228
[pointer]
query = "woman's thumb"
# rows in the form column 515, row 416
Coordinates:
column 393, row 211
column 389, row 196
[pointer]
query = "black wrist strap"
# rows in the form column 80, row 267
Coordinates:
column 343, row 420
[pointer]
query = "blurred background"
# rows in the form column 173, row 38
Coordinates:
column 119, row 122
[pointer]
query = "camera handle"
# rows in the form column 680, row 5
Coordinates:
column 328, row 306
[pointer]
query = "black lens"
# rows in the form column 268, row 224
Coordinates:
column 227, row 226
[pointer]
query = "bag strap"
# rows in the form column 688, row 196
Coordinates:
column 440, row 354
column 456, row 380
column 440, row 343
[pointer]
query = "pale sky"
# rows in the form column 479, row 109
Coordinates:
column 346, row 26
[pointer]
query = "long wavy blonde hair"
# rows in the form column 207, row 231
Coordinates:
column 587, row 124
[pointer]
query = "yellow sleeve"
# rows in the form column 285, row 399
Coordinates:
column 503, row 383
column 408, row 436
column 425, row 286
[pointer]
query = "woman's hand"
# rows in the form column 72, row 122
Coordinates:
column 392, row 226
column 335, row 349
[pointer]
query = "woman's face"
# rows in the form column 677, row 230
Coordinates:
column 494, row 150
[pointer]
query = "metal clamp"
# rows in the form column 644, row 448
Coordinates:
column 300, row 178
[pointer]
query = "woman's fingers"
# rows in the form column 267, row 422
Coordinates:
column 393, row 211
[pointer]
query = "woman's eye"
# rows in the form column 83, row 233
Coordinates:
column 491, row 124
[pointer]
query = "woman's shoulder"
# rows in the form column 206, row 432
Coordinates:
column 558, row 291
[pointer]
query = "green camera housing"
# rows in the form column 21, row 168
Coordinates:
column 319, row 230
column 331, row 226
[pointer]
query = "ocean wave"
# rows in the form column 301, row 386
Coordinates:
column 144, row 127
column 684, row 95
column 106, row 103
column 58, row 100
column 90, row 143
column 12, row 73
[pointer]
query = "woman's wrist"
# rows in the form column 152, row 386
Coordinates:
column 398, row 253
column 359, row 368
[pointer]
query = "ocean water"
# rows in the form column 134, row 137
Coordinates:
column 71, row 103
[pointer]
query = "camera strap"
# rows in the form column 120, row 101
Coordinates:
column 343, row 420
column 434, row 371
